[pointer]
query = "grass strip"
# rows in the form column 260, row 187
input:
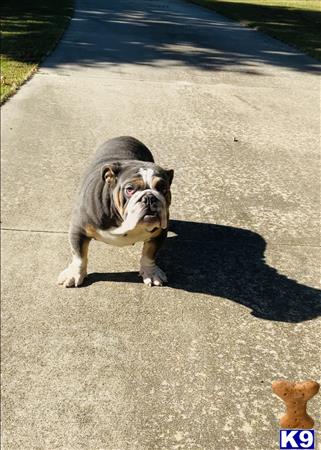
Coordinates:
column 30, row 29
column 295, row 22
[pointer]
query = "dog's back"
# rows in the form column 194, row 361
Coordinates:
column 123, row 148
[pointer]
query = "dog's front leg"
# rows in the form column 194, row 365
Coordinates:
column 151, row 273
column 77, row 270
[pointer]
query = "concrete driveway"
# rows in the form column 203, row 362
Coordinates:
column 116, row 365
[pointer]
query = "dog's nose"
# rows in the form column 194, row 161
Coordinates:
column 149, row 200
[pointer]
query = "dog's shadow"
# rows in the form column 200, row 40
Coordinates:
column 228, row 262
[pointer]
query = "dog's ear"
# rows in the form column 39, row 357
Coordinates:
column 109, row 173
column 170, row 176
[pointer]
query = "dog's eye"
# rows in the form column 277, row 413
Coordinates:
column 129, row 190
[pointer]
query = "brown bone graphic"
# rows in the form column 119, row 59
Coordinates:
column 295, row 396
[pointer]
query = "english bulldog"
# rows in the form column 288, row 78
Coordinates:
column 124, row 198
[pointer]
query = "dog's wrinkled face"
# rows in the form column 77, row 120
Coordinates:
column 140, row 195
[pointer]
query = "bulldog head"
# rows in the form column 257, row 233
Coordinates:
column 140, row 194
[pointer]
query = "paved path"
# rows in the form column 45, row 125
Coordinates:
column 118, row 366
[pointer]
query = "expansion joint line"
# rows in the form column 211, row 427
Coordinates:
column 34, row 231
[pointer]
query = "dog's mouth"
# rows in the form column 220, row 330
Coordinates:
column 150, row 218
column 150, row 214
column 145, row 218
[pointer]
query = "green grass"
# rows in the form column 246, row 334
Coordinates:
column 296, row 22
column 29, row 31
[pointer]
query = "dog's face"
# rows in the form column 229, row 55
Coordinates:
column 140, row 194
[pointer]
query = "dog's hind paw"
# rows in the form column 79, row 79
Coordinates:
column 72, row 276
column 153, row 275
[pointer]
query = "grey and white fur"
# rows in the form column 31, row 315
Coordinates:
column 124, row 198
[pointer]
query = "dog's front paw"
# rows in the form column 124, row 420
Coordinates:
column 72, row 276
column 152, row 275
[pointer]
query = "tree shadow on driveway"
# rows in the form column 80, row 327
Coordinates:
column 167, row 34
column 228, row 262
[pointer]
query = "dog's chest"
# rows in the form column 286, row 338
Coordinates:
column 130, row 238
